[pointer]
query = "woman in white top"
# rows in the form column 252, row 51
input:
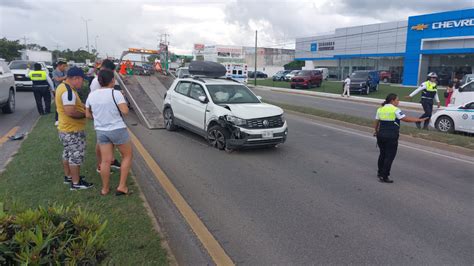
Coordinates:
column 107, row 106
column 347, row 87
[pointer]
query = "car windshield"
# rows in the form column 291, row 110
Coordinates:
column 232, row 93
column 303, row 73
column 294, row 72
column 21, row 65
column 360, row 75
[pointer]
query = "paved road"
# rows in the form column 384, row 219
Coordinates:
column 364, row 110
column 316, row 199
column 23, row 117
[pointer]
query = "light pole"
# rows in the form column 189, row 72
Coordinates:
column 96, row 49
column 87, row 33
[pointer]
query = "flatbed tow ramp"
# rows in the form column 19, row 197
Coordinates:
column 144, row 92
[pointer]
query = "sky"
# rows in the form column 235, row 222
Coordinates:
column 119, row 24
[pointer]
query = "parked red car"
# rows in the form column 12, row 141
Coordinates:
column 385, row 76
column 307, row 79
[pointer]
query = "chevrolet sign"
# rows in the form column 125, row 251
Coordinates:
column 453, row 24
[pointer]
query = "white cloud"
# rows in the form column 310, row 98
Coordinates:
column 121, row 24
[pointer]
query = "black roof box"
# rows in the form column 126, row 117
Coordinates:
column 207, row 69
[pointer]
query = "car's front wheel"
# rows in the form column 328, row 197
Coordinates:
column 169, row 119
column 445, row 124
column 217, row 137
column 10, row 107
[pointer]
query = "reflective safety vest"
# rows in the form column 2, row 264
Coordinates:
column 389, row 123
column 430, row 90
column 39, row 78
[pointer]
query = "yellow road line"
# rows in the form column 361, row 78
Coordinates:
column 10, row 133
column 215, row 250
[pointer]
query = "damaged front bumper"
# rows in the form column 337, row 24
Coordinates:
column 243, row 137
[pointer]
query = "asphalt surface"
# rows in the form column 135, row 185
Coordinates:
column 353, row 108
column 316, row 199
column 24, row 117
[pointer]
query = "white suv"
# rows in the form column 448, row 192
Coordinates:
column 7, row 89
column 225, row 112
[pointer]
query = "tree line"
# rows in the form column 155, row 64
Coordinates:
column 10, row 50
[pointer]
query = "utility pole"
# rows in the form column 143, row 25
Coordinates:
column 255, row 73
column 87, row 33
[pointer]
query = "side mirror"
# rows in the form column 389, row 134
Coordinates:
column 259, row 98
column 203, row 99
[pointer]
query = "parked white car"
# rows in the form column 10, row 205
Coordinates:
column 225, row 112
column 20, row 70
column 7, row 89
column 324, row 72
column 291, row 75
column 459, row 118
column 463, row 95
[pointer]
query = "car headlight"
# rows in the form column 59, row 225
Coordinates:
column 283, row 119
column 235, row 120
column 362, row 84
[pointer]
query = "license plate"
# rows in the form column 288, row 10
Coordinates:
column 267, row 135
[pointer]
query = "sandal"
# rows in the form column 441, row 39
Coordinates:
column 121, row 193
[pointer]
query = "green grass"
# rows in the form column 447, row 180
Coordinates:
column 452, row 139
column 336, row 88
column 35, row 177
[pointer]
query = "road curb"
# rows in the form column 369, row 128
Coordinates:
column 374, row 101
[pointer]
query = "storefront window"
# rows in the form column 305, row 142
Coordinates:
column 449, row 66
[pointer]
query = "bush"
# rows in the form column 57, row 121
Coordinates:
column 52, row 235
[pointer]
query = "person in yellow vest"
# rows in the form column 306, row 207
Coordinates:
column 387, row 130
column 42, row 87
column 71, row 126
column 429, row 94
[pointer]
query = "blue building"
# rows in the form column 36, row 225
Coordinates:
column 407, row 50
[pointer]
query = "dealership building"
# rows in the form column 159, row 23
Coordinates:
column 408, row 50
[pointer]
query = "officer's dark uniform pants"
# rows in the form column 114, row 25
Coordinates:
column 42, row 93
column 428, row 109
column 388, row 150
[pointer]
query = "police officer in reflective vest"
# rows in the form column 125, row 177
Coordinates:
column 429, row 92
column 387, row 128
column 42, row 86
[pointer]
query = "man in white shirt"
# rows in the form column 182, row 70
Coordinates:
column 107, row 65
column 347, row 87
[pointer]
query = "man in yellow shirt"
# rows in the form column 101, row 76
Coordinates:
column 71, row 126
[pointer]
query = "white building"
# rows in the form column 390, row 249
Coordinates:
column 269, row 60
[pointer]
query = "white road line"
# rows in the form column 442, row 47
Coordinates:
column 400, row 144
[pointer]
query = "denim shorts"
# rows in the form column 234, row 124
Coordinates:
column 116, row 137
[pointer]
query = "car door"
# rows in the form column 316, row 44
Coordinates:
column 180, row 100
column 465, row 118
column 197, row 108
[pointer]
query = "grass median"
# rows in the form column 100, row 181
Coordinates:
column 452, row 139
column 35, row 177
column 336, row 88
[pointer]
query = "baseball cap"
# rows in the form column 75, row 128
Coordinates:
column 75, row 72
